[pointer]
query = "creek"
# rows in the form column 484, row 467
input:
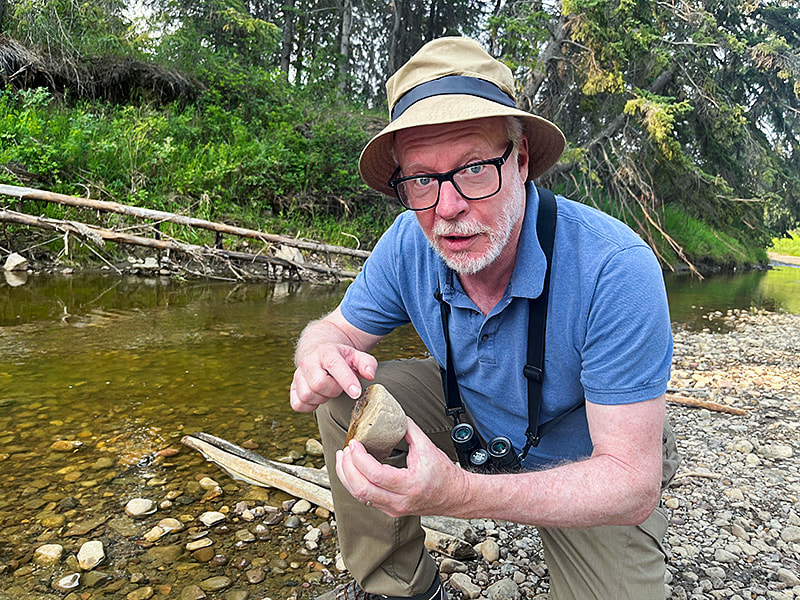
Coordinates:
column 124, row 366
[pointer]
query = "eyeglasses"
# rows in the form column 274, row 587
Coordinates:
column 474, row 181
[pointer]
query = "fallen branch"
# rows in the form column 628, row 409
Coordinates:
column 253, row 468
column 708, row 404
column 159, row 215
column 95, row 233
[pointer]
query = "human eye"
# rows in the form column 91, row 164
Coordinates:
column 422, row 181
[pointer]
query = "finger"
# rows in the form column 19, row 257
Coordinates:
column 352, row 479
column 301, row 397
column 364, row 364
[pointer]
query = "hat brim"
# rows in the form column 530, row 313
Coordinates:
column 546, row 142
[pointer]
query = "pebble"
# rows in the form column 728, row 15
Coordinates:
column 314, row 448
column 216, row 584
column 301, row 507
column 67, row 583
column 505, row 589
column 91, row 554
column 140, row 507
column 66, row 445
column 48, row 555
column 211, row 518
column 462, row 583
column 489, row 549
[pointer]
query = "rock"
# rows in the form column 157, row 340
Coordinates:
column 197, row 544
column 143, row 593
column 66, row 445
column 505, row 589
column 462, row 583
column 48, row 555
column 255, row 576
column 377, row 421
column 67, row 583
column 15, row 262
column 91, row 554
column 155, row 534
column 290, row 254
column 314, row 448
column 301, row 507
column 211, row 518
column 790, row 534
column 140, row 507
column 215, row 584
column 208, row 484
column 776, row 452
column 489, row 550
column 169, row 525
column 451, row 565
column 150, row 263
column 193, row 592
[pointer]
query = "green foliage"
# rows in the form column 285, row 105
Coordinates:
column 789, row 245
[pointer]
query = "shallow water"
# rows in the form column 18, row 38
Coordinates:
column 127, row 365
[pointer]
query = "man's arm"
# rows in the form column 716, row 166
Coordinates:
column 618, row 485
column 330, row 357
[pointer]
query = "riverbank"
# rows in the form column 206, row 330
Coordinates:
column 735, row 528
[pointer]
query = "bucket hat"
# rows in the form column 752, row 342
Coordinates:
column 449, row 80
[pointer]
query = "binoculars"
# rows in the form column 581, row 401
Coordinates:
column 498, row 456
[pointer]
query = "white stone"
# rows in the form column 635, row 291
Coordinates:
column 290, row 254
column 776, row 452
column 48, row 555
column 462, row 583
column 313, row 447
column 211, row 518
column 15, row 262
column 140, row 507
column 208, row 484
column 489, row 550
column 197, row 544
column 91, row 554
column 301, row 507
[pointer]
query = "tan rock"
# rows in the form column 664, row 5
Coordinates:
column 377, row 421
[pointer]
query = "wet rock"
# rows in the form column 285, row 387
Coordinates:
column 124, row 526
column 140, row 507
column 193, row 592
column 48, row 555
column 143, row 593
column 163, row 554
column 197, row 544
column 154, row 534
column 205, row 554
column 66, row 445
column 314, row 448
column 81, row 528
column 292, row 522
column 91, row 554
column 211, row 518
column 67, row 583
column 301, row 507
column 208, row 484
column 15, row 262
column 216, row 584
column 255, row 576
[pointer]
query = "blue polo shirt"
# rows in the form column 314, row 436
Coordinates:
column 608, row 329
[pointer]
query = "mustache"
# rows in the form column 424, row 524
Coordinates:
column 443, row 228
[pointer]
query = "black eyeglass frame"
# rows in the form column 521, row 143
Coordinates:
column 498, row 162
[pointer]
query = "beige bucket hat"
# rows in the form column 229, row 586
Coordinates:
column 449, row 80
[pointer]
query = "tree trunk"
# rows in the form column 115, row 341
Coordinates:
column 551, row 53
column 288, row 34
column 344, row 46
column 394, row 63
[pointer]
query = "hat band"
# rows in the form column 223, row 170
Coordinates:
column 452, row 84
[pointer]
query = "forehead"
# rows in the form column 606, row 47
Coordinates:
column 462, row 137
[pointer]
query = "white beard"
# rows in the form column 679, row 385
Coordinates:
column 461, row 262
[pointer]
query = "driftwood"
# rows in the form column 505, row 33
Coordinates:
column 442, row 534
column 707, row 404
column 97, row 233
column 163, row 216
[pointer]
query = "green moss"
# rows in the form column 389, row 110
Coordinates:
column 789, row 245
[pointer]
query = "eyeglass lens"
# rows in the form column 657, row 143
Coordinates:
column 473, row 182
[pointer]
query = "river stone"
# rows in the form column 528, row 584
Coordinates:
column 155, row 534
column 66, row 445
column 91, row 554
column 144, row 593
column 377, row 421
column 193, row 592
column 140, row 507
column 489, row 550
column 314, row 447
column 169, row 524
column 255, row 576
column 301, row 507
column 197, row 544
column 48, row 555
column 462, row 583
column 67, row 583
column 776, row 452
column 15, row 262
column 215, row 584
column 208, row 484
column 505, row 589
column 211, row 518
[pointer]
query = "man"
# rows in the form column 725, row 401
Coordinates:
column 460, row 156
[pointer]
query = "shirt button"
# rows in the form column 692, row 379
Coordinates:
column 485, row 337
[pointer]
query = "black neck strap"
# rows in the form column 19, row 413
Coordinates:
column 537, row 320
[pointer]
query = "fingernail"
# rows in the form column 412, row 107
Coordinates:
column 354, row 391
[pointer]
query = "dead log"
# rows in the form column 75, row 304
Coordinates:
column 97, row 233
column 145, row 213
column 708, row 404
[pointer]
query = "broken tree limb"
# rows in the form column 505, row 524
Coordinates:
column 97, row 233
column 253, row 468
column 145, row 213
column 708, row 404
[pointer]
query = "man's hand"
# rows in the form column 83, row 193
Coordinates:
column 327, row 372
column 431, row 484
column 330, row 357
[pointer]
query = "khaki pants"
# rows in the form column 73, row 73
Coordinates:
column 387, row 556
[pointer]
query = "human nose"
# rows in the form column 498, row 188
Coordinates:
column 451, row 202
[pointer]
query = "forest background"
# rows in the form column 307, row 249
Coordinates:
column 682, row 116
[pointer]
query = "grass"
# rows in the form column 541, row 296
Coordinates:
column 789, row 245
